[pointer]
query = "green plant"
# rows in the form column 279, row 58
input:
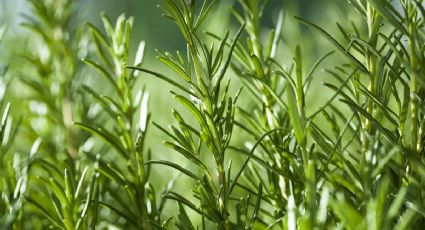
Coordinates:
column 51, row 178
column 260, row 156
column 11, row 196
column 278, row 125
column 385, row 148
column 14, row 176
column 137, row 200
column 203, row 69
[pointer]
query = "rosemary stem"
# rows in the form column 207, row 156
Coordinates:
column 413, row 80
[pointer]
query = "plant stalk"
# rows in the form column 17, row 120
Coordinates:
column 413, row 79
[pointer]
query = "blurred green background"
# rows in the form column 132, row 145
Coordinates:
column 161, row 33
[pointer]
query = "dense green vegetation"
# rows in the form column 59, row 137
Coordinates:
column 332, row 137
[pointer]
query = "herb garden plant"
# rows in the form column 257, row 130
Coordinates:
column 260, row 148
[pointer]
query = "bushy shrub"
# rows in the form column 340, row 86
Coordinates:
column 260, row 150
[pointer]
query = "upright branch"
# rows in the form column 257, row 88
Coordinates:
column 203, row 70
column 412, row 27
column 128, row 136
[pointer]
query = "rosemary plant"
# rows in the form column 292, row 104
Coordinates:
column 370, row 87
column 54, row 161
column 11, row 201
column 14, row 176
column 278, row 125
column 135, row 198
column 203, row 70
column 79, row 158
